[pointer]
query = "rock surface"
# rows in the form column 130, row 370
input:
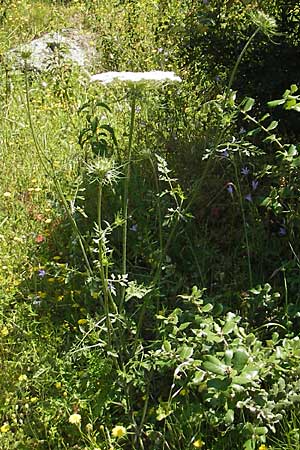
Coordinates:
column 69, row 44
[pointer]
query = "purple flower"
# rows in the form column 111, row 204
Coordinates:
column 133, row 227
column 242, row 130
column 224, row 154
column 282, row 231
column 41, row 273
column 254, row 184
column 245, row 171
column 230, row 188
column 248, row 197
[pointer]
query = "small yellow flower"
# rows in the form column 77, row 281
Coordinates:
column 58, row 385
column 4, row 331
column 22, row 377
column 34, row 399
column 118, row 431
column 198, row 443
column 262, row 447
column 82, row 321
column 7, row 194
column 75, row 419
column 5, row 428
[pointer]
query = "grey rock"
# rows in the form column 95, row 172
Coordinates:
column 70, row 45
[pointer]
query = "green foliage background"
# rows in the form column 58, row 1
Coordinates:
column 197, row 345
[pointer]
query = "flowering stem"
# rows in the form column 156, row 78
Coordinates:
column 125, row 194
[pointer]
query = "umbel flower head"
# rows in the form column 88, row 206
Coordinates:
column 265, row 23
column 135, row 77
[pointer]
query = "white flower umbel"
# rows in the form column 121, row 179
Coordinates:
column 135, row 77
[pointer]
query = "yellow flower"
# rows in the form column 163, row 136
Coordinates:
column 82, row 321
column 4, row 331
column 118, row 431
column 7, row 194
column 262, row 447
column 75, row 419
column 58, row 385
column 5, row 428
column 23, row 377
column 198, row 443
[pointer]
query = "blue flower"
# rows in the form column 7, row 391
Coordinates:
column 230, row 188
column 248, row 197
column 41, row 273
column 245, row 171
column 254, row 184
column 282, row 231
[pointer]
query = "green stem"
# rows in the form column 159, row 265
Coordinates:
column 101, row 268
column 238, row 61
column 125, row 195
column 244, row 222
column 158, row 209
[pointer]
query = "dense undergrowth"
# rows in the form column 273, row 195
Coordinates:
column 149, row 232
